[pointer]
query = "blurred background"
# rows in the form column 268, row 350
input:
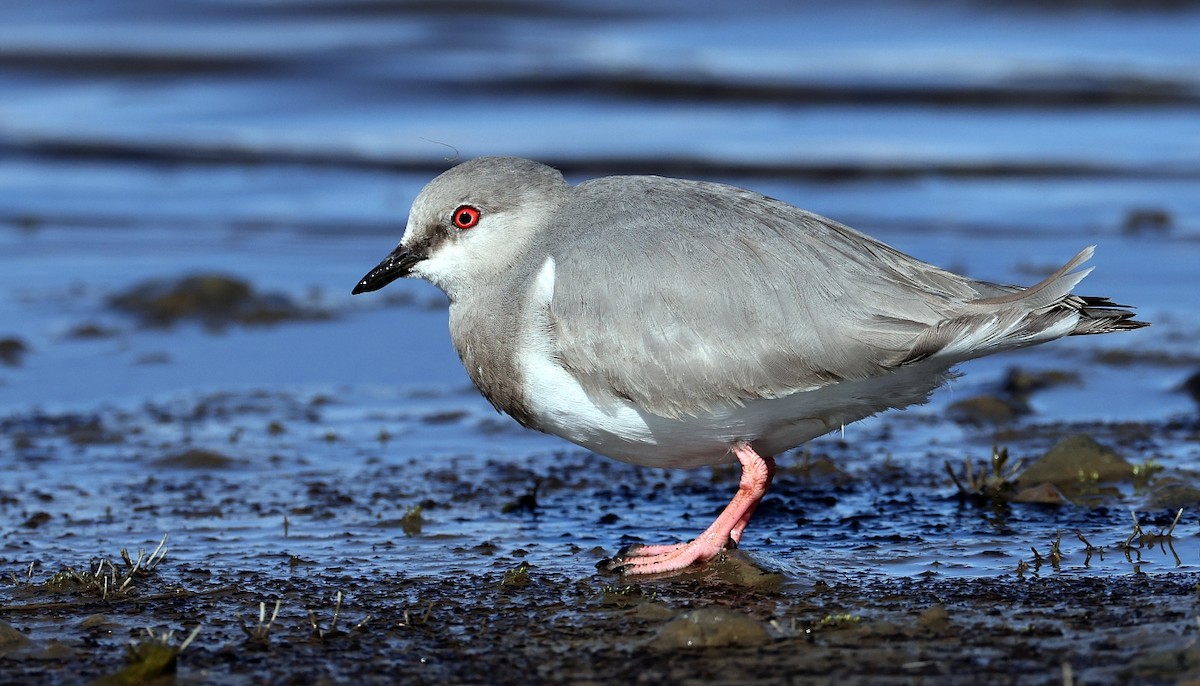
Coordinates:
column 281, row 143
column 189, row 191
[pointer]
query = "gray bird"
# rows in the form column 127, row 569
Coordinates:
column 674, row 323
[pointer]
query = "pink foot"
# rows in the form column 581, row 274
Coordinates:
column 757, row 473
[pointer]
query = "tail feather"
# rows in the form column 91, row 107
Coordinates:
column 1024, row 317
column 1096, row 314
column 1049, row 290
column 1101, row 315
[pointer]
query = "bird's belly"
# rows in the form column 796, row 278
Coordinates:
column 617, row 428
column 622, row 431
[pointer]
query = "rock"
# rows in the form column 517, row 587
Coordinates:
column 1165, row 665
column 97, row 621
column 737, row 568
column 819, row 469
column 1147, row 220
column 195, row 458
column 935, row 619
column 36, row 519
column 986, row 409
column 1021, row 383
column 91, row 331
column 1073, row 460
column 711, row 627
column 884, row 630
column 12, row 351
column 11, row 639
column 1041, row 494
column 1192, row 386
column 213, row 299
column 1172, row 494
column 652, row 611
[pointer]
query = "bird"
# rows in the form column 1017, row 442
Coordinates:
column 675, row 323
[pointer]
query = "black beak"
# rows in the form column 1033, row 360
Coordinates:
column 394, row 266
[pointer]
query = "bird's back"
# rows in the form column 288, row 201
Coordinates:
column 683, row 295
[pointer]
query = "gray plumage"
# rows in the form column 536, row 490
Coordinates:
column 677, row 323
column 682, row 296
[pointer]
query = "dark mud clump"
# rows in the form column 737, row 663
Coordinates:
column 1191, row 386
column 987, row 409
column 1172, row 493
column 1041, row 494
column 1011, row 399
column 1147, row 220
column 90, row 331
column 212, row 299
column 195, row 458
column 711, row 627
column 12, row 351
column 1076, row 463
column 1022, row 383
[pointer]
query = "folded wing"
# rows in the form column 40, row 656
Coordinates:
column 684, row 296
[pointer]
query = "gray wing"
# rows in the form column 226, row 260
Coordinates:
column 680, row 295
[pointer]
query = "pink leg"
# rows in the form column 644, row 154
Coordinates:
column 736, row 532
column 757, row 473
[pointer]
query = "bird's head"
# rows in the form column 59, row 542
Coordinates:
column 471, row 223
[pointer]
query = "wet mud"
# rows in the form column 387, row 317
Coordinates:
column 394, row 565
column 524, row 625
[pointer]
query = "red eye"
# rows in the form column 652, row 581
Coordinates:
column 466, row 216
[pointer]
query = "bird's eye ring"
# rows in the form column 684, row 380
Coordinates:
column 466, row 216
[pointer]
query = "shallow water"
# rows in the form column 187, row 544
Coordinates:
column 282, row 144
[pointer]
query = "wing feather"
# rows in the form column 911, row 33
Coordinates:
column 682, row 296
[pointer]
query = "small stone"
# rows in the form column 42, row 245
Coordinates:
column 737, row 568
column 1192, row 386
column 1173, row 494
column 57, row 650
column 1073, row 460
column 214, row 299
column 195, row 459
column 934, row 619
column 1042, row 494
column 36, row 519
column 652, row 611
column 1147, row 220
column 820, row 469
column 97, row 621
column 1020, row 383
column 91, row 331
column 12, row 351
column 884, row 629
column 10, row 638
column 986, row 409
column 711, row 627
